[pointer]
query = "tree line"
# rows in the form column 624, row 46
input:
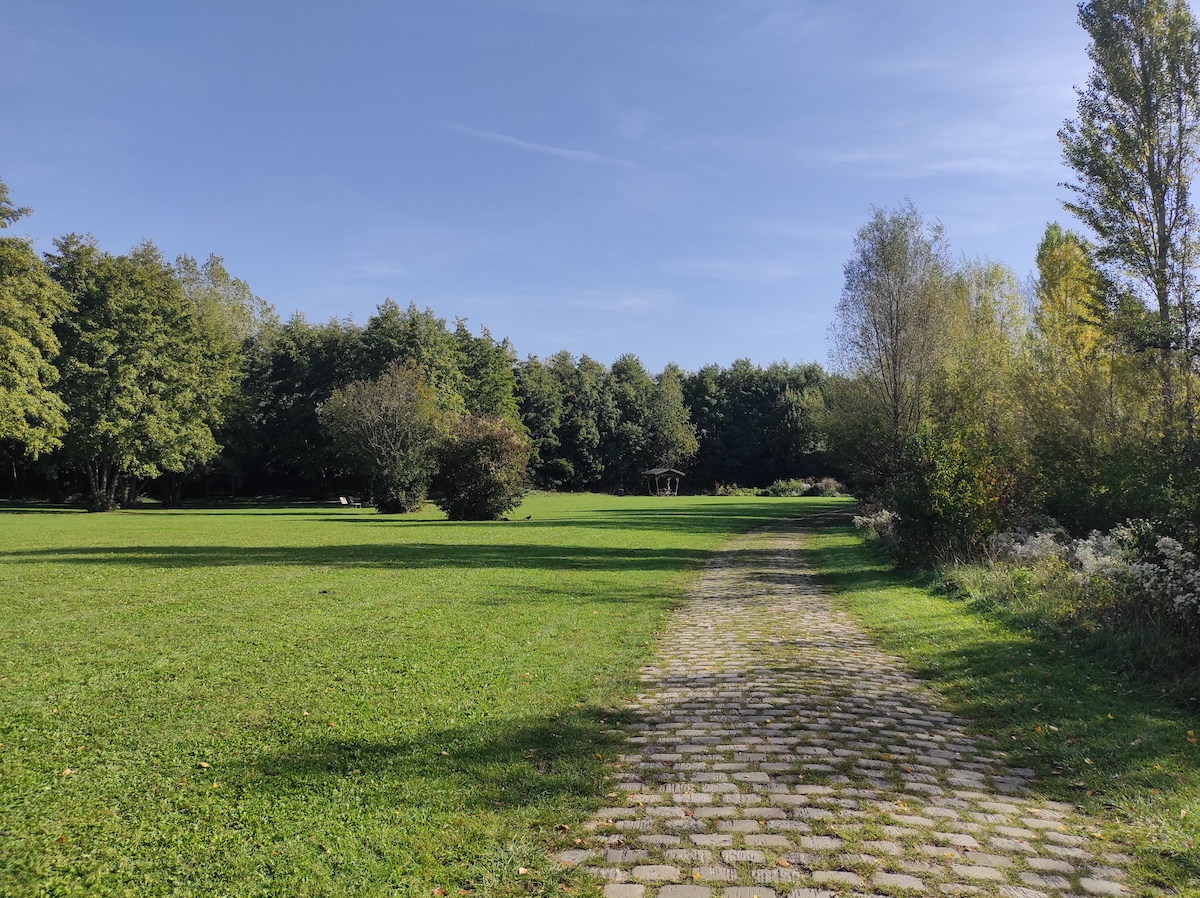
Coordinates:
column 128, row 375
column 965, row 403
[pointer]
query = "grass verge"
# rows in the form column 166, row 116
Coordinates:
column 305, row 701
column 1123, row 752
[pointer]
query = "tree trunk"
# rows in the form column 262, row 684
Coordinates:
column 102, row 479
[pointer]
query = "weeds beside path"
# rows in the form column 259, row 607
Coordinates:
column 1124, row 753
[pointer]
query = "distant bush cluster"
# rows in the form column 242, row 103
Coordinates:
column 793, row 488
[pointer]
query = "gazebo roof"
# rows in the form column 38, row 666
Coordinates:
column 658, row 472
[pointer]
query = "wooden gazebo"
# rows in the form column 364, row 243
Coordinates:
column 663, row 481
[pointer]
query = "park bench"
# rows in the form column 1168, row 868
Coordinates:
column 351, row 502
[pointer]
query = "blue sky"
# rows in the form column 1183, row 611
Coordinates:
column 681, row 180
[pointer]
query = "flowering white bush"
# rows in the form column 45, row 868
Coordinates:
column 1172, row 577
column 1026, row 548
column 880, row 526
column 1134, row 559
column 1107, row 555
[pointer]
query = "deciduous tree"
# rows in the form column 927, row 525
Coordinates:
column 31, row 414
column 891, row 325
column 143, row 382
column 1133, row 148
column 386, row 429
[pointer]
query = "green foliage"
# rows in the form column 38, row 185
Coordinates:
column 144, row 381
column 9, row 214
column 753, row 424
column 891, row 329
column 627, row 440
column 386, row 429
column 31, row 414
column 541, row 403
column 483, row 469
column 1133, row 147
column 420, row 338
column 954, row 493
column 672, row 435
column 489, row 381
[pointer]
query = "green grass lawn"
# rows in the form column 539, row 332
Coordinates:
column 1125, row 753
column 313, row 701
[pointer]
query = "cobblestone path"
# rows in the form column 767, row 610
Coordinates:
column 780, row 753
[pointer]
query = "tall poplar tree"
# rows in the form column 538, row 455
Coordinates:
column 1133, row 148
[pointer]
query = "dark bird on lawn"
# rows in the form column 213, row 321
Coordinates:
column 529, row 517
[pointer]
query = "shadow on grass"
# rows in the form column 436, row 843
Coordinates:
column 712, row 517
column 385, row 555
column 1094, row 738
column 521, row 763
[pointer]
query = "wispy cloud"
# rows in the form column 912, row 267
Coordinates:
column 547, row 149
column 620, row 300
column 763, row 271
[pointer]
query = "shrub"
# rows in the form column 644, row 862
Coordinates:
column 1134, row 591
column 788, row 488
column 386, row 429
column 828, row 487
column 732, row 489
column 878, row 528
column 951, row 498
column 483, row 468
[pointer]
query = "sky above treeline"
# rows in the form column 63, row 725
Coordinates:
column 681, row 180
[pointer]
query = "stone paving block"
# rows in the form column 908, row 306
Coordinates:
column 688, row 855
column 768, row 841
column 655, row 872
column 625, row 855
column 748, row 892
column 684, row 892
column 981, row 873
column 839, row 877
column 716, row 874
column 1065, row 839
column 1102, row 887
column 988, row 860
column 659, row 839
column 712, row 840
column 810, row 893
column 1020, row 892
column 624, row 890
column 1046, row 881
column 776, row 875
column 742, row 856
column 738, row 826
column 891, row 881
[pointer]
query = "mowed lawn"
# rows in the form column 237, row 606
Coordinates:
column 324, row 701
